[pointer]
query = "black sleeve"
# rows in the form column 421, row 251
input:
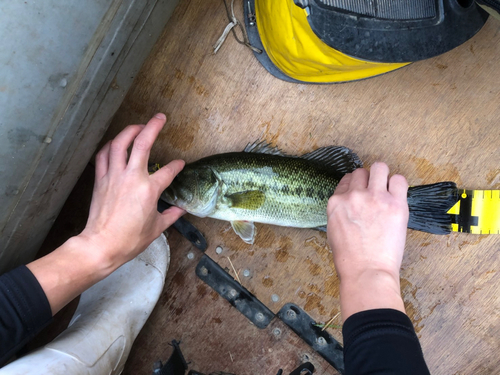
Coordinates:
column 24, row 310
column 382, row 341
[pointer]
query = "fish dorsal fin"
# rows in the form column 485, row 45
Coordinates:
column 262, row 147
column 249, row 200
column 341, row 158
column 244, row 229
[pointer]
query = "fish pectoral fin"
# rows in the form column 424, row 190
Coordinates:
column 244, row 229
column 249, row 200
column 340, row 158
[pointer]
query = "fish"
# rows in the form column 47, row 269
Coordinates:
column 264, row 185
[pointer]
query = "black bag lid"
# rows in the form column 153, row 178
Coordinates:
column 394, row 30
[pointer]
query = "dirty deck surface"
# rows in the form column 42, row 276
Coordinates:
column 434, row 120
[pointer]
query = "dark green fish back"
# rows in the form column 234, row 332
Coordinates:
column 295, row 190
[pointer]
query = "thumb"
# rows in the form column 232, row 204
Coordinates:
column 170, row 216
column 166, row 174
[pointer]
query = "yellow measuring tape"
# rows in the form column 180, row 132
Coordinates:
column 477, row 212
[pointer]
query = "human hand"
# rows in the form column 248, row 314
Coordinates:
column 123, row 217
column 367, row 220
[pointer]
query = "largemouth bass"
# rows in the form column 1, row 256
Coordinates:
column 263, row 185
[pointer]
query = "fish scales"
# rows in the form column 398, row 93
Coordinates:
column 296, row 190
column 263, row 185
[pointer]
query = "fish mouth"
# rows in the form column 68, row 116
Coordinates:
column 171, row 196
column 168, row 196
column 194, row 205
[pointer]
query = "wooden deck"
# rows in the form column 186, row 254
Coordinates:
column 434, row 120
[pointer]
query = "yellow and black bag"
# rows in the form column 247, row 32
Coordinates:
column 327, row 41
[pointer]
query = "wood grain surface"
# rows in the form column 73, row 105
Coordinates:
column 434, row 120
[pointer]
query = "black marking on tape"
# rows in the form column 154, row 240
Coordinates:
column 464, row 219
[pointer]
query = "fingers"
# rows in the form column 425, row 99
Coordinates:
column 144, row 141
column 376, row 179
column 359, row 179
column 379, row 181
column 170, row 216
column 379, row 174
column 343, row 185
column 119, row 146
column 398, row 186
column 102, row 162
column 167, row 173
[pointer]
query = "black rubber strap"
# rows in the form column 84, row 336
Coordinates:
column 176, row 364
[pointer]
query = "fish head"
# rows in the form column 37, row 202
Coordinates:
column 194, row 189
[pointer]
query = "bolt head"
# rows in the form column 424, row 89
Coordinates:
column 321, row 341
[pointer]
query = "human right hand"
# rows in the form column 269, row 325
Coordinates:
column 123, row 218
column 367, row 220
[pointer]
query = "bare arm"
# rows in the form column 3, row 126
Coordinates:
column 123, row 217
column 367, row 219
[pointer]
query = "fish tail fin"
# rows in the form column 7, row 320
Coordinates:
column 429, row 205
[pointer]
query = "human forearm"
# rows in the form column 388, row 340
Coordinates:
column 24, row 310
column 382, row 341
column 370, row 289
column 69, row 270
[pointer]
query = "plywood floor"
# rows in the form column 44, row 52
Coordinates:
column 432, row 121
